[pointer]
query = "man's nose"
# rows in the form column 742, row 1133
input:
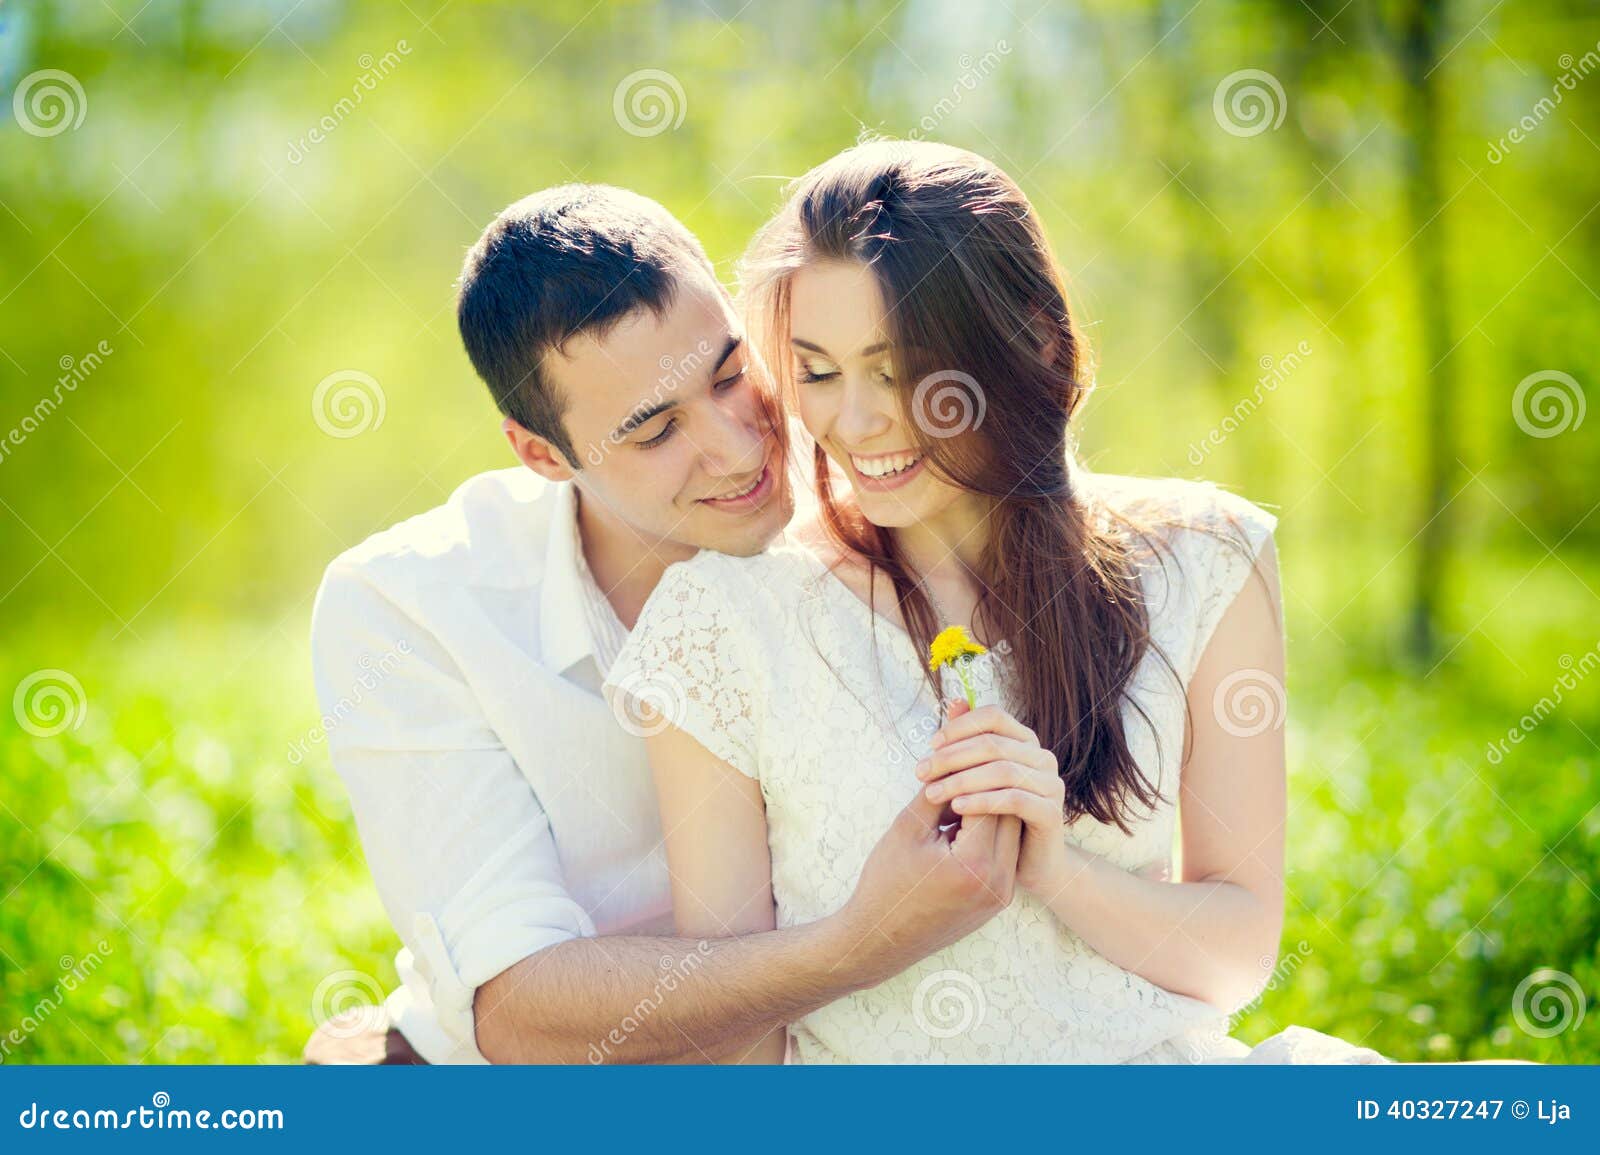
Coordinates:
column 736, row 442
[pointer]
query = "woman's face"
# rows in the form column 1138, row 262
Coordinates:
column 848, row 399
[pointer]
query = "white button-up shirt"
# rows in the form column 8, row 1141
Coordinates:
column 502, row 807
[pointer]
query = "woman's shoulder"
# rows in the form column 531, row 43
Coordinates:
column 1186, row 516
column 1197, row 545
column 739, row 591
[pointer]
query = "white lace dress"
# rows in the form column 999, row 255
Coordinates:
column 779, row 669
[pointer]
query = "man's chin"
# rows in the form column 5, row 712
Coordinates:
column 755, row 536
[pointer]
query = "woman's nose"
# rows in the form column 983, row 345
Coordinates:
column 863, row 415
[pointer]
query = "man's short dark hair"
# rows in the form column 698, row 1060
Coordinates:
column 570, row 260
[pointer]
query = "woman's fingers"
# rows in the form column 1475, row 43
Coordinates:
column 985, row 719
column 981, row 748
column 1033, row 809
column 992, row 776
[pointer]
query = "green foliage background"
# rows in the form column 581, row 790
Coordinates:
column 162, row 531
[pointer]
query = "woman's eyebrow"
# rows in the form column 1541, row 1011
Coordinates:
column 877, row 347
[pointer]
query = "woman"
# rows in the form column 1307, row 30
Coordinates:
column 913, row 316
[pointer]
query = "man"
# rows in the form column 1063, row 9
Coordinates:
column 507, row 813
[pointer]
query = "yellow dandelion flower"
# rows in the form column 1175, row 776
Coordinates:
column 955, row 649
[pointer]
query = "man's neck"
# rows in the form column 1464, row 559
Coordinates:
column 626, row 566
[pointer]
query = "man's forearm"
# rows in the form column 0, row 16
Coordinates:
column 635, row 999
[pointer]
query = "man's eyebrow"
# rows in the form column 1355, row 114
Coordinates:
column 639, row 416
column 644, row 413
column 729, row 346
column 877, row 347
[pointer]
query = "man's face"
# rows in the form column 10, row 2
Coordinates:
column 667, row 419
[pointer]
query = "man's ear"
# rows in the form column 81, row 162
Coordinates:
column 536, row 452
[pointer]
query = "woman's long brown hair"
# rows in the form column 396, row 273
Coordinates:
column 990, row 369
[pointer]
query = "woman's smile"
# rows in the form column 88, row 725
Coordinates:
column 884, row 471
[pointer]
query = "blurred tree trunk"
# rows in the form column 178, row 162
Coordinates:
column 1418, row 50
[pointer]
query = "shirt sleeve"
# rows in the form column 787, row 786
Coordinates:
column 687, row 664
column 458, row 843
column 1225, row 541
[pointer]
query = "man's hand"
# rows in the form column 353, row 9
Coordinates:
column 922, row 890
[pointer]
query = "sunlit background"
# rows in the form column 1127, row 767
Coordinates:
column 1344, row 258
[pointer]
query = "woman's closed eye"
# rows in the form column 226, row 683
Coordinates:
column 810, row 372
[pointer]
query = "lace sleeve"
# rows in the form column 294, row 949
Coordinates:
column 685, row 664
column 1227, row 536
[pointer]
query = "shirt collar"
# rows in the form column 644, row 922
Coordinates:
column 564, row 636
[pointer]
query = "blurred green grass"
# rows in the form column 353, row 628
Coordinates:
column 1425, row 882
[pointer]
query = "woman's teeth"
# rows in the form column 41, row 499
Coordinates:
column 885, row 466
